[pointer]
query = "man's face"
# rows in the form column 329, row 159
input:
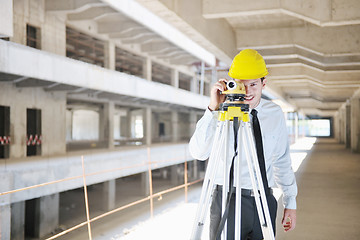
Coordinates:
column 253, row 89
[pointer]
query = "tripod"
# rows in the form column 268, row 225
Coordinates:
column 234, row 111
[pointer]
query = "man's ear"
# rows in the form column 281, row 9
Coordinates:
column 263, row 82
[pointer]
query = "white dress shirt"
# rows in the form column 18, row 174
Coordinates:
column 275, row 143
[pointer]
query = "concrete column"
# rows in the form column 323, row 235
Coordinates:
column 147, row 69
column 348, row 126
column 342, row 125
column 148, row 125
column 192, row 119
column 18, row 221
column 202, row 78
column 355, row 124
column 174, row 174
column 296, row 126
column 107, row 124
column 175, row 78
column 336, row 124
column 109, row 193
column 145, row 183
column 5, row 222
column 194, row 85
column 125, row 125
column 175, row 126
column 109, row 56
column 42, row 215
column 195, row 169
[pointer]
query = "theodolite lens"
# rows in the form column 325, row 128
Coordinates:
column 231, row 85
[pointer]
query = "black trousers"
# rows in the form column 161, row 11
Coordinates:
column 250, row 225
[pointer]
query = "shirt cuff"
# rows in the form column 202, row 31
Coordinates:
column 289, row 202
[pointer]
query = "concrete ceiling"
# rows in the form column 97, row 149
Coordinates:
column 312, row 48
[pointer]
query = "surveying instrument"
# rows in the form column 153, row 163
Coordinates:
column 233, row 109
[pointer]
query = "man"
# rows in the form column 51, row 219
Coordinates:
column 248, row 67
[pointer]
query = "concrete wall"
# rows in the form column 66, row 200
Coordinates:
column 6, row 18
column 52, row 106
column 53, row 33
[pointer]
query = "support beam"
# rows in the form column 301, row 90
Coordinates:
column 115, row 27
column 109, row 55
column 321, row 13
column 355, row 124
column 133, row 10
column 175, row 78
column 148, row 126
column 309, row 35
column 5, row 221
column 70, row 5
column 175, row 126
column 145, row 183
column 348, row 126
column 147, row 69
column 109, row 195
column 106, row 124
column 90, row 14
column 18, row 221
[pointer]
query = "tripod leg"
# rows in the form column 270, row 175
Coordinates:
column 262, row 207
column 225, row 178
column 208, row 184
column 237, row 174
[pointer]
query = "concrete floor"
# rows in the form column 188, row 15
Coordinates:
column 328, row 202
column 329, row 194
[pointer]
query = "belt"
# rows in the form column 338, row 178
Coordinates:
column 246, row 192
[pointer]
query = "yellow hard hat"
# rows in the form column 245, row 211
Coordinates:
column 248, row 64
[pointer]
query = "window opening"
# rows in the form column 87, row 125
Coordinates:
column 33, row 131
column 4, row 131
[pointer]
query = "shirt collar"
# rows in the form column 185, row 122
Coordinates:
column 258, row 107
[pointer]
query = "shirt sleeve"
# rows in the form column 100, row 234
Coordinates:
column 203, row 137
column 284, row 174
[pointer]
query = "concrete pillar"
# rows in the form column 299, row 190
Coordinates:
column 42, row 215
column 202, row 78
column 174, row 174
column 17, row 221
column 192, row 119
column 296, row 126
column 336, row 124
column 147, row 69
column 355, row 124
column 125, row 125
column 175, row 126
column 109, row 56
column 109, row 193
column 342, row 125
column 175, row 78
column 348, row 126
column 145, row 183
column 107, row 124
column 5, row 222
column 194, row 85
column 148, row 125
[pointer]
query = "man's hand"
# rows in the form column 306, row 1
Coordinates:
column 289, row 219
column 215, row 97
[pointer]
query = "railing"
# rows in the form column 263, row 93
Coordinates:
column 84, row 175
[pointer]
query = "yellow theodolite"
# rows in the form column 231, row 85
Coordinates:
column 234, row 105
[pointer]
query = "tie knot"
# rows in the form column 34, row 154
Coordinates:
column 254, row 112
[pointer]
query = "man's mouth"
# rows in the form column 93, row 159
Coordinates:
column 249, row 98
